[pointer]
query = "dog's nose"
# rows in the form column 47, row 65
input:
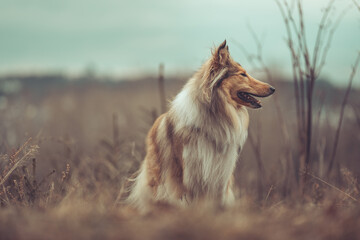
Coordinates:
column 272, row 89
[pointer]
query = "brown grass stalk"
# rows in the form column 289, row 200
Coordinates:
column 162, row 88
column 331, row 185
column 357, row 115
column 342, row 110
column 306, row 69
column 256, row 147
column 27, row 155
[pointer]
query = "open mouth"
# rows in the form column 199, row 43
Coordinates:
column 246, row 97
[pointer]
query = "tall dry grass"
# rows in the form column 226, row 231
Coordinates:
column 70, row 174
column 67, row 151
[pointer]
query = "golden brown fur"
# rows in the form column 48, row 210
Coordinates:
column 192, row 149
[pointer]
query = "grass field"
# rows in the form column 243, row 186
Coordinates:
column 68, row 144
column 67, row 148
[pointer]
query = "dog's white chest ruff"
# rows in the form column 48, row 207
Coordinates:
column 211, row 153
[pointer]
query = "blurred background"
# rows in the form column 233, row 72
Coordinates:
column 81, row 78
column 130, row 38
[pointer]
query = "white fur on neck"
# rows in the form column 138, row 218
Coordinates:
column 214, row 150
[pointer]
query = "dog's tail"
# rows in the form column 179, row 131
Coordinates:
column 138, row 194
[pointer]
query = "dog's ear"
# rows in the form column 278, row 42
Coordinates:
column 217, row 70
column 221, row 54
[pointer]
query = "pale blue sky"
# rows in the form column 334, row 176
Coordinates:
column 132, row 37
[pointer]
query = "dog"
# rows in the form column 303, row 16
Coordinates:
column 192, row 149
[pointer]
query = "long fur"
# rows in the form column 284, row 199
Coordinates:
column 192, row 149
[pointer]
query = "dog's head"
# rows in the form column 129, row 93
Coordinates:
column 230, row 77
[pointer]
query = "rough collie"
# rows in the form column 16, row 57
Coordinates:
column 192, row 149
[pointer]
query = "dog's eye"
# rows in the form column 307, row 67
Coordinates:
column 243, row 74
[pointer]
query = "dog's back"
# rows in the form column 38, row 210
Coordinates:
column 192, row 149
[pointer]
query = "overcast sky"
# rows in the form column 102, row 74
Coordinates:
column 127, row 37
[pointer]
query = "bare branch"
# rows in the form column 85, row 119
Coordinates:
column 329, row 40
column 303, row 35
column 357, row 115
column 306, row 68
column 356, row 4
column 321, row 29
column 337, row 134
column 295, row 65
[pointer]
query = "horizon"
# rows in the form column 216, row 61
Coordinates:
column 133, row 38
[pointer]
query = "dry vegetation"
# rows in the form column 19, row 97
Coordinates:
column 67, row 148
column 66, row 153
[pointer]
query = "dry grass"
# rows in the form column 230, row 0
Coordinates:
column 66, row 180
column 68, row 147
column 83, row 220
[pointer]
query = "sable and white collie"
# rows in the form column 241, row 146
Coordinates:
column 192, row 149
